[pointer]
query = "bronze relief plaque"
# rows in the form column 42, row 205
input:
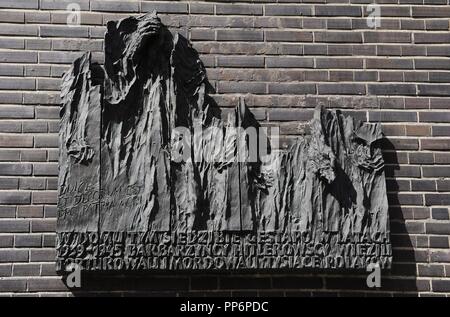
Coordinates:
column 154, row 176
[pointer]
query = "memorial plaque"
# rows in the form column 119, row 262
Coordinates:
column 154, row 177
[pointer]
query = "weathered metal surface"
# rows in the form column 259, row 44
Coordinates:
column 151, row 177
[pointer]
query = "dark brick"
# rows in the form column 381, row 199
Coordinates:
column 437, row 25
column 391, row 102
column 15, row 169
column 430, row 12
column 202, row 35
column 436, row 171
column 42, row 141
column 392, row 116
column 405, row 199
column 47, row 113
column 201, row 8
column 292, row 88
column 341, row 89
column 46, row 285
column 365, row 75
column 64, row 31
column 339, row 24
column 413, row 50
column 49, row 240
column 435, row 144
column 437, row 199
column 239, row 35
column 440, row 256
column 240, row 61
column 26, row 269
column 14, row 226
column 441, row 285
column 15, row 198
column 418, row 130
column 404, row 144
column 331, row 10
column 442, row 158
column 431, row 64
column 339, row 63
column 423, row 185
column 434, row 116
column 416, row 103
column 288, row 36
column 21, row 241
column 387, row 37
column 19, row 30
column 314, row 23
column 392, row 89
column 45, row 169
column 338, row 37
column 37, row 17
column 9, row 183
column 389, row 50
column 427, row 37
column 6, row 241
column 11, row 70
column 114, row 6
column 47, row 197
column 440, row 242
column 433, row 90
column 392, row 11
column 390, row 76
column 19, row 4
column 242, row 87
column 43, row 225
column 33, row 155
column 389, row 63
column 399, row 284
column 18, row 84
column 421, row 158
column 13, row 285
column 289, row 10
column 404, row 255
column 431, row 2
column 440, row 213
column 164, row 7
column 239, row 9
column 12, row 43
column 5, row 270
column 339, row 50
column 16, row 141
column 52, row 183
column 338, row 76
column 13, row 256
column 402, row 171
column 30, row 211
column 62, row 4
column 438, row 50
column 7, row 211
column 439, row 77
column 289, row 62
column 43, row 255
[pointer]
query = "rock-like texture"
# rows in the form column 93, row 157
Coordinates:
column 146, row 161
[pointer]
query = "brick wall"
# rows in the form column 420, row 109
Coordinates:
column 285, row 57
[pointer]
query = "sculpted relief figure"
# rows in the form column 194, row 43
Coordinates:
column 145, row 149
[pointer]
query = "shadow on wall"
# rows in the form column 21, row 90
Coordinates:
column 399, row 281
